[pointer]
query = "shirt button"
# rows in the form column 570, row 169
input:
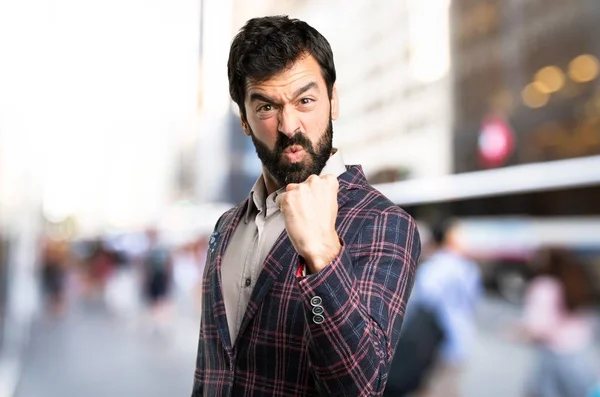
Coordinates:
column 316, row 301
column 318, row 319
column 248, row 282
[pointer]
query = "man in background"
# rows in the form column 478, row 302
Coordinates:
column 440, row 325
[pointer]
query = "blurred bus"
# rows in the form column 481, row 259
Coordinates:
column 507, row 214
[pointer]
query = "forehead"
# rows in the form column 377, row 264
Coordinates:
column 303, row 71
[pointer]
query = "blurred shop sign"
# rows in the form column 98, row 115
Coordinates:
column 496, row 142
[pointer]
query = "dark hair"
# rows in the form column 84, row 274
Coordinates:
column 440, row 229
column 267, row 46
column 565, row 267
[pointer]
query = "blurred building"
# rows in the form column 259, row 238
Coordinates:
column 525, row 134
column 534, row 66
column 526, row 90
column 213, row 156
column 94, row 98
column 525, row 111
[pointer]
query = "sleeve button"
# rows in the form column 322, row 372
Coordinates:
column 318, row 310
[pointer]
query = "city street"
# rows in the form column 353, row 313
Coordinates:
column 132, row 133
column 94, row 354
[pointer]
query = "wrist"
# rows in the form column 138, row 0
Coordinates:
column 329, row 250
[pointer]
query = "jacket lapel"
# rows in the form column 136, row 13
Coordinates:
column 350, row 180
column 282, row 254
column 225, row 232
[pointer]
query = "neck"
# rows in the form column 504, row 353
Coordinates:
column 270, row 183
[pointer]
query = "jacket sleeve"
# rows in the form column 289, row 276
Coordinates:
column 362, row 295
column 197, row 388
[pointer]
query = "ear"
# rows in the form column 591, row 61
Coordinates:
column 335, row 111
column 245, row 126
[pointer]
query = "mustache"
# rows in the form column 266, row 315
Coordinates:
column 298, row 138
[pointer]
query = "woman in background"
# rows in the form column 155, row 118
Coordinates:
column 557, row 319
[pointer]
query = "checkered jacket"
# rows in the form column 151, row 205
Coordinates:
column 332, row 333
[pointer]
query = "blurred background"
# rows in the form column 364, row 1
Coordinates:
column 120, row 148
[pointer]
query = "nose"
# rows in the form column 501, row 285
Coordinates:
column 289, row 122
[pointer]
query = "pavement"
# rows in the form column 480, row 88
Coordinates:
column 95, row 353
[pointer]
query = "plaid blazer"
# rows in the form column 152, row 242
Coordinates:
column 332, row 333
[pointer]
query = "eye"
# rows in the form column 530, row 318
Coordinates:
column 306, row 101
column 265, row 108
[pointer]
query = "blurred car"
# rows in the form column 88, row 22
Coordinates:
column 505, row 247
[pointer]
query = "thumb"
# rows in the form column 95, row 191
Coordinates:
column 279, row 199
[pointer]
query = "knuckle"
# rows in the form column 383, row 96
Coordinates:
column 332, row 181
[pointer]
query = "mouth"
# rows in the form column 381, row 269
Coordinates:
column 294, row 153
column 293, row 149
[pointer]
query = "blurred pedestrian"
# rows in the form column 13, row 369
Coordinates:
column 54, row 275
column 306, row 280
column 186, row 277
column 440, row 325
column 558, row 321
column 100, row 266
column 157, row 281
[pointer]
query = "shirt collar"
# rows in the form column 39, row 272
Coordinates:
column 335, row 164
column 258, row 194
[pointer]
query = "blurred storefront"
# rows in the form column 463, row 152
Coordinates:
column 526, row 72
column 526, row 91
column 526, row 111
column 526, row 132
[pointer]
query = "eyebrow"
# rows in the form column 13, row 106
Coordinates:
column 307, row 87
column 255, row 96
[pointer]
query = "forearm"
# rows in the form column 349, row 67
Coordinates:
column 349, row 350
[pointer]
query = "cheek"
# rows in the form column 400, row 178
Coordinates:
column 316, row 124
column 265, row 131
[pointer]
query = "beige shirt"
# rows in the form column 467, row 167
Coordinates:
column 250, row 244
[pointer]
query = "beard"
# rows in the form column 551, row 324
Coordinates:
column 286, row 172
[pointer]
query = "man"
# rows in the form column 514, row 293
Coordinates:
column 306, row 280
column 440, row 322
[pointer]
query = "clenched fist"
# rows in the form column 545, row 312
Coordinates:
column 310, row 210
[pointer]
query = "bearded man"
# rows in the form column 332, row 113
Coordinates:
column 306, row 281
